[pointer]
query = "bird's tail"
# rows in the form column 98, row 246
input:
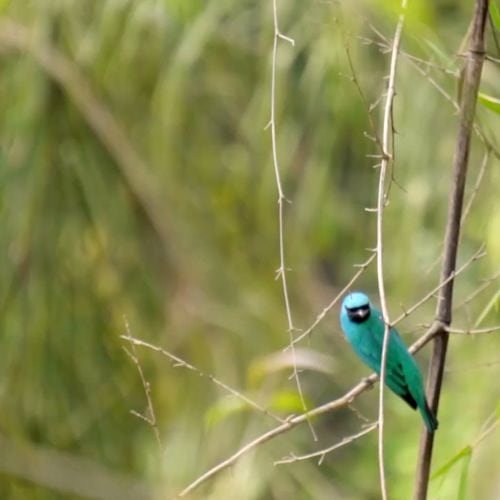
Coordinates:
column 429, row 419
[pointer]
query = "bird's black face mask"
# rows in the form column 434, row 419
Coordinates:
column 359, row 314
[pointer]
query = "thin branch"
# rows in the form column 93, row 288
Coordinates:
column 486, row 433
column 281, row 272
column 472, row 77
column 477, row 127
column 368, row 108
column 322, row 453
column 385, row 47
column 486, row 284
column 387, row 150
column 362, row 267
column 472, row 197
column 342, row 402
column 151, row 418
column 179, row 362
column 477, row 255
column 477, row 185
column 473, row 331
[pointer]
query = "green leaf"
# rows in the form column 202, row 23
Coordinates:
column 489, row 102
column 493, row 304
column 464, row 477
column 287, row 402
column 495, row 14
column 465, row 452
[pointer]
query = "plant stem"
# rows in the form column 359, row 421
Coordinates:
column 468, row 98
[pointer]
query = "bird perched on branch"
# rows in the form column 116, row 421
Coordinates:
column 364, row 328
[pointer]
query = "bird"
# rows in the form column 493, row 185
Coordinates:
column 364, row 327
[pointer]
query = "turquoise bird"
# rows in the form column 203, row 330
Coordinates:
column 364, row 328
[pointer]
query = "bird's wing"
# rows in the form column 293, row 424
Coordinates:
column 370, row 350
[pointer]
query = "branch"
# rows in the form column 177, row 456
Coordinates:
column 387, row 155
column 281, row 272
column 342, row 402
column 477, row 128
column 322, row 453
column 474, row 331
column 472, row 77
column 178, row 362
column 151, row 418
column 362, row 267
column 477, row 255
column 486, row 283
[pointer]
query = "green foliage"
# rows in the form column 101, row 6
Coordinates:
column 495, row 14
column 463, row 455
column 490, row 102
column 464, row 478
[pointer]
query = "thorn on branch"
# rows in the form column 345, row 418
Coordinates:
column 288, row 39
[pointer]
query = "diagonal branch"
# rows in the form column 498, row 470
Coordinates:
column 472, row 77
column 362, row 267
column 322, row 453
column 179, row 362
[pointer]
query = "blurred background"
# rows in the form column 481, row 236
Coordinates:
column 137, row 185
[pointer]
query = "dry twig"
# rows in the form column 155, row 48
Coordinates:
column 281, row 272
column 387, row 156
column 151, row 418
column 322, row 453
column 179, row 362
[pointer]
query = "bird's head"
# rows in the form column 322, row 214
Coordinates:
column 357, row 307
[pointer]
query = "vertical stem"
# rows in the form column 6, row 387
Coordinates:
column 387, row 149
column 472, row 77
column 281, row 273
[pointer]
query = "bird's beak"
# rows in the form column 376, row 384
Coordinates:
column 361, row 313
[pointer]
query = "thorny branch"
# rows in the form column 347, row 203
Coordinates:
column 178, row 362
column 151, row 418
column 387, row 156
column 281, row 272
